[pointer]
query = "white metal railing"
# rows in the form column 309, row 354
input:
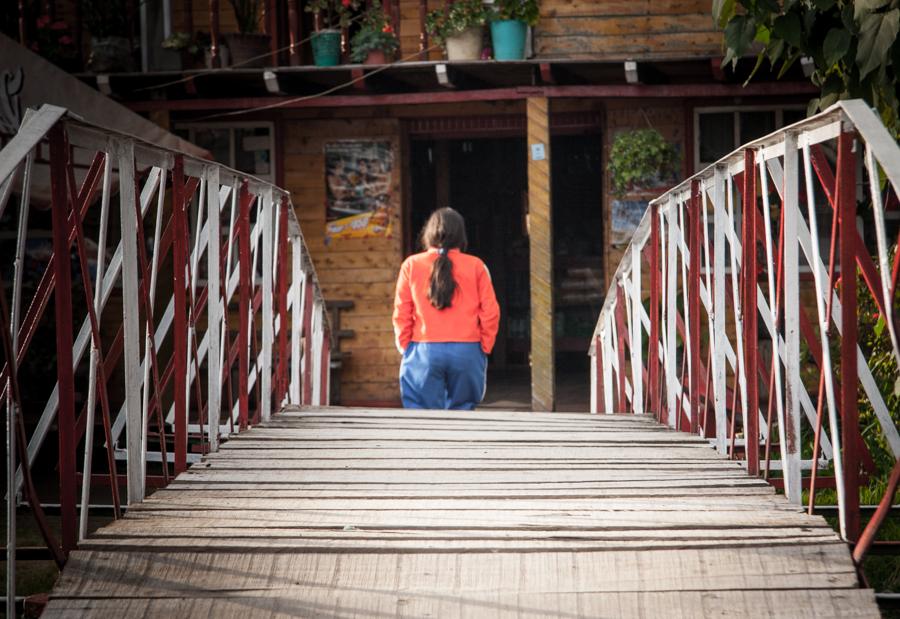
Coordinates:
column 679, row 333
column 221, row 322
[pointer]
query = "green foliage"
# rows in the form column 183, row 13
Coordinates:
column 526, row 11
column 452, row 19
column 105, row 18
column 375, row 33
column 854, row 46
column 638, row 157
column 332, row 14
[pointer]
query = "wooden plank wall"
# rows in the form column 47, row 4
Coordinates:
column 360, row 270
column 618, row 29
column 540, row 232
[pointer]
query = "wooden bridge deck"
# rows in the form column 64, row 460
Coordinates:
column 343, row 512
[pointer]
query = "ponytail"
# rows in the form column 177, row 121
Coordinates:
column 442, row 285
column 445, row 230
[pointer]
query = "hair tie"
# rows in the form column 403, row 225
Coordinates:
column 442, row 251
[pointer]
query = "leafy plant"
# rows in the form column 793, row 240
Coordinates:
column 106, row 18
column 854, row 46
column 375, row 33
column 246, row 13
column 638, row 157
column 526, row 11
column 454, row 18
column 332, row 14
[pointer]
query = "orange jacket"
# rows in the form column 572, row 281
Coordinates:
column 473, row 315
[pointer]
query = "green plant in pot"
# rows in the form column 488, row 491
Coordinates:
column 249, row 47
column 330, row 18
column 510, row 20
column 459, row 28
column 107, row 21
column 640, row 158
column 375, row 41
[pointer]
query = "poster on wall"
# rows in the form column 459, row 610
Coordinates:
column 358, row 189
column 626, row 215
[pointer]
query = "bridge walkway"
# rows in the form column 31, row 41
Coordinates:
column 331, row 512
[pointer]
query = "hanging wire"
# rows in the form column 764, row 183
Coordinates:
column 328, row 91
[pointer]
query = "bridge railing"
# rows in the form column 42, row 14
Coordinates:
column 185, row 308
column 735, row 312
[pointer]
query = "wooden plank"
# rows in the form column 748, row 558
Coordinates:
column 338, row 512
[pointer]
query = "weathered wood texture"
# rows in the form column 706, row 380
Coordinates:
column 349, row 512
column 540, row 236
column 360, row 270
column 620, row 29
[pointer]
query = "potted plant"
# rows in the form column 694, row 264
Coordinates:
column 375, row 41
column 331, row 16
column 510, row 20
column 640, row 158
column 249, row 47
column 459, row 27
column 107, row 21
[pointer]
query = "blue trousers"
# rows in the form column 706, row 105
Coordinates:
column 443, row 375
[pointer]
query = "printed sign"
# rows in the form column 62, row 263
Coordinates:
column 358, row 189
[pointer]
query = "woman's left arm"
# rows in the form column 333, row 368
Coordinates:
column 488, row 310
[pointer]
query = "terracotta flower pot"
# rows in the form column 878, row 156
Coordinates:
column 376, row 56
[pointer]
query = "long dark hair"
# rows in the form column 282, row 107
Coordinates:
column 445, row 230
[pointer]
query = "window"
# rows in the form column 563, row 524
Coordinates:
column 718, row 131
column 246, row 147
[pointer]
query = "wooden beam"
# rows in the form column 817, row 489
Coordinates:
column 494, row 94
column 540, row 233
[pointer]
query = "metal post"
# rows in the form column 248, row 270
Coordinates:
column 59, row 159
column 283, row 270
column 307, row 340
column 793, row 383
column 748, row 271
column 214, row 310
column 245, row 299
column 846, row 205
column 620, row 337
column 297, row 279
column 694, row 298
column 653, row 346
column 180, row 333
column 268, row 315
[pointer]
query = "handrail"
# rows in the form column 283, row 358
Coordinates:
column 699, row 258
column 244, row 307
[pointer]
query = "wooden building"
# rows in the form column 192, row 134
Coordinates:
column 519, row 148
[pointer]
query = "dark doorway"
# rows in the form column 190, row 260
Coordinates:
column 485, row 180
column 579, row 287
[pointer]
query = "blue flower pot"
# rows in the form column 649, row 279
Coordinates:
column 508, row 39
column 326, row 47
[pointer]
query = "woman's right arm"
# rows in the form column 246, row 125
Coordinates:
column 404, row 309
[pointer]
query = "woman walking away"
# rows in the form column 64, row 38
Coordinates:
column 445, row 319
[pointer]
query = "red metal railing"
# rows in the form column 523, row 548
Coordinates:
column 241, row 279
column 728, row 306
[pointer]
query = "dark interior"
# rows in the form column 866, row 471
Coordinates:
column 485, row 179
